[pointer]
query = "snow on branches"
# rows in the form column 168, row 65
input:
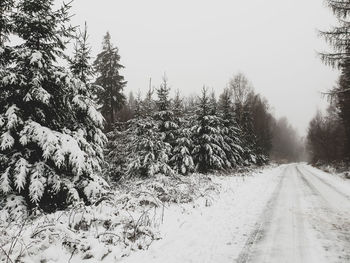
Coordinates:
column 51, row 137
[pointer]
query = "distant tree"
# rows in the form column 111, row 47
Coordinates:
column 128, row 110
column 50, row 130
column 325, row 138
column 287, row 146
column 108, row 67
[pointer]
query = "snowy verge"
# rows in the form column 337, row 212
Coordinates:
column 339, row 169
column 153, row 218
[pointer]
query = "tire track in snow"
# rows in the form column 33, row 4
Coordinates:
column 334, row 228
column 262, row 223
column 326, row 183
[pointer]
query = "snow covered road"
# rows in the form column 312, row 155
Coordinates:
column 292, row 213
column 307, row 221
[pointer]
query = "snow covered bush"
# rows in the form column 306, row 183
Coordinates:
column 50, row 131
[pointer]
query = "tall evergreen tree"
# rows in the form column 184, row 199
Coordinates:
column 50, row 130
column 339, row 38
column 111, row 97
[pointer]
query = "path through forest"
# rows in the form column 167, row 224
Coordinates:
column 292, row 213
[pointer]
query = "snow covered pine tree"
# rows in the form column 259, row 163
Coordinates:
column 110, row 98
column 50, row 129
column 207, row 138
column 230, row 130
column 181, row 160
column 149, row 154
column 151, row 136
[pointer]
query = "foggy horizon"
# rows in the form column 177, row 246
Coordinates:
column 205, row 43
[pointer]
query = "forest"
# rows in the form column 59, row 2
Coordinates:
column 58, row 123
column 328, row 138
column 78, row 154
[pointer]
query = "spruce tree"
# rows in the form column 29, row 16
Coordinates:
column 164, row 114
column 181, row 160
column 80, row 63
column 339, row 38
column 148, row 153
column 207, row 153
column 230, row 130
column 50, row 129
column 107, row 66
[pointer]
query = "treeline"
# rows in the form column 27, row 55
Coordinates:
column 329, row 134
column 181, row 135
column 161, row 134
column 326, row 137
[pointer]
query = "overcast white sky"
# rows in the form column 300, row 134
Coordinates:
column 197, row 42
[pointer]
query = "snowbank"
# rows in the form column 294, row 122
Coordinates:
column 149, row 219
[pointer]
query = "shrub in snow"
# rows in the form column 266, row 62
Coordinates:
column 50, row 131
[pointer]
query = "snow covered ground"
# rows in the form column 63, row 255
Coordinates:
column 293, row 213
column 217, row 233
column 289, row 213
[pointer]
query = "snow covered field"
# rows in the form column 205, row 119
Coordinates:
column 290, row 213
